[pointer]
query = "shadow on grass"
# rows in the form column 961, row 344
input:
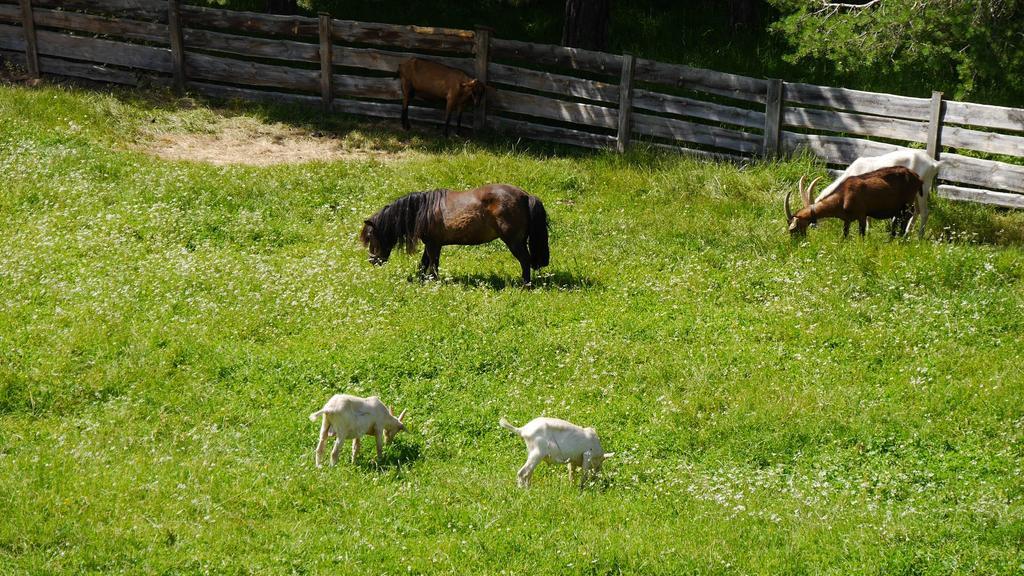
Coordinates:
column 559, row 280
column 398, row 455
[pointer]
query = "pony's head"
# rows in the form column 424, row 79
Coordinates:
column 377, row 241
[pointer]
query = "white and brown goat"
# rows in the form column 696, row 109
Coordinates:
column 351, row 417
column 432, row 81
column 888, row 193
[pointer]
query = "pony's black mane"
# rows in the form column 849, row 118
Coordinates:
column 405, row 220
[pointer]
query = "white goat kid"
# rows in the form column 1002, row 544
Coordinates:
column 556, row 441
column 918, row 161
column 351, row 417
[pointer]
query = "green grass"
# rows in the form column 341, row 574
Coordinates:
column 819, row 406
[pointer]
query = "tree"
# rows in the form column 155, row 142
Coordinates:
column 282, row 7
column 967, row 48
column 586, row 24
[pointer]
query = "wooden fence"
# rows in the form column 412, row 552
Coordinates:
column 537, row 91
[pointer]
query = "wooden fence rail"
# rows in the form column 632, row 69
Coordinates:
column 537, row 91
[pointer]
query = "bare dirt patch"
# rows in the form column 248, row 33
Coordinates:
column 204, row 136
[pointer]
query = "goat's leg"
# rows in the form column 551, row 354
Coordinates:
column 587, row 465
column 355, row 448
column 322, row 445
column 458, row 128
column 407, row 94
column 335, row 451
column 526, row 472
column 380, row 445
column 448, row 115
column 572, row 471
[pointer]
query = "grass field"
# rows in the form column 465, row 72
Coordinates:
column 776, row 406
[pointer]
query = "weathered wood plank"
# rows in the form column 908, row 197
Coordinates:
column 692, row 132
column 408, row 37
column 772, row 118
column 232, row 92
column 934, row 146
column 234, row 20
column 386, row 61
column 625, row 103
column 551, row 133
column 681, row 106
column 834, row 149
column 278, row 49
column 99, row 73
column 79, row 22
column 216, row 69
column 91, row 49
column 832, row 121
column 11, row 13
column 858, row 101
column 551, row 55
column 138, row 9
column 326, row 62
column 387, row 110
column 552, row 109
column 987, row 173
column 177, row 44
column 992, row 142
column 367, row 87
column 703, row 154
column 703, row 80
column 482, row 51
column 554, row 83
column 984, row 115
column 1002, row 199
column 28, row 28
column 11, row 38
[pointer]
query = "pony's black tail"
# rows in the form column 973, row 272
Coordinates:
column 540, row 255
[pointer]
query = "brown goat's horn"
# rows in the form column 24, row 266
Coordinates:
column 809, row 192
column 785, row 204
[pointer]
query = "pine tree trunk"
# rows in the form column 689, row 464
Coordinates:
column 586, row 24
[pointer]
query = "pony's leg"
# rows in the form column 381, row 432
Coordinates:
column 424, row 261
column 846, row 228
column 862, row 224
column 432, row 253
column 522, row 253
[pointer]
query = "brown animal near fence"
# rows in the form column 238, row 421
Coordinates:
column 883, row 194
column 446, row 217
column 432, row 81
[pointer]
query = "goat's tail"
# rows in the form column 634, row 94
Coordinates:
column 315, row 415
column 504, row 424
column 540, row 254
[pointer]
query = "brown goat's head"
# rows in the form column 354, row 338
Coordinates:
column 804, row 217
column 475, row 89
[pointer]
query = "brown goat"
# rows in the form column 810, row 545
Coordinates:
column 432, row 81
column 882, row 194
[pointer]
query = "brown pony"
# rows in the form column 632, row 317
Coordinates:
column 443, row 217
column 432, row 81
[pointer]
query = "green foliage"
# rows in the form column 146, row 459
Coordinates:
column 777, row 406
column 972, row 49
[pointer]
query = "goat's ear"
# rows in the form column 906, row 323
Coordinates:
column 402, row 415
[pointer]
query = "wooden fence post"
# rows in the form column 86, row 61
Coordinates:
column 28, row 25
column 625, row 103
column 177, row 45
column 934, row 148
column 326, row 61
column 772, row 118
column 482, row 48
